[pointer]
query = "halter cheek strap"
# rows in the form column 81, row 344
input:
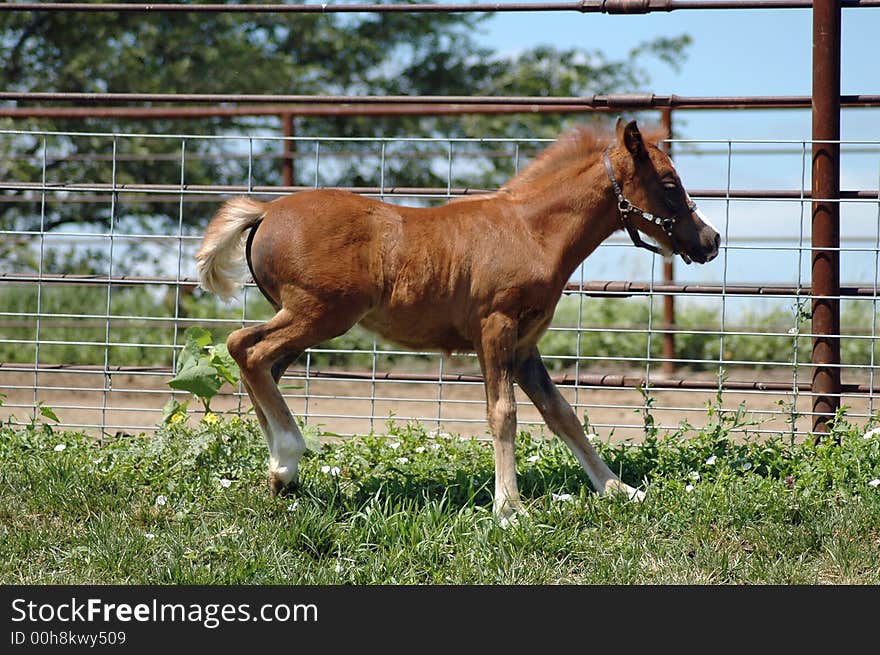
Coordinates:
column 625, row 208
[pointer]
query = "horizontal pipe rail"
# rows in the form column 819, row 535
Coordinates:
column 611, row 101
column 595, row 288
column 709, row 194
column 580, row 6
column 141, row 113
column 92, row 321
column 586, row 380
column 448, row 109
column 85, row 198
column 528, row 148
column 615, row 241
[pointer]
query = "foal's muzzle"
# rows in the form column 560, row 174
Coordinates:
column 707, row 248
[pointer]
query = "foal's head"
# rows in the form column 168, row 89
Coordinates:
column 652, row 200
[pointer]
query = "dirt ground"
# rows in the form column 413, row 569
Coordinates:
column 134, row 404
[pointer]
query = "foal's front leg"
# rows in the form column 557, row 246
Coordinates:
column 496, row 353
column 532, row 377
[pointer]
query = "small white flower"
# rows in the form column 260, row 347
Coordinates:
column 871, row 433
column 793, row 330
column 330, row 470
column 292, row 507
column 533, row 459
column 149, row 535
column 562, row 498
column 420, row 449
column 59, row 447
column 395, row 445
column 746, row 466
column 693, row 475
column 435, row 446
column 689, row 488
column 403, row 460
column 161, row 500
column 225, row 483
column 874, row 483
column 711, row 460
column 592, row 436
column 338, row 567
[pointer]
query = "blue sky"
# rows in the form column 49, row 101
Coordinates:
column 741, row 52
column 735, row 52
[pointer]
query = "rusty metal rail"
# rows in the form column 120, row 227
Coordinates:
column 439, row 108
column 593, row 288
column 153, row 113
column 134, row 188
column 610, row 102
column 580, row 6
column 582, row 380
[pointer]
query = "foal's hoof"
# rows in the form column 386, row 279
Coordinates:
column 618, row 487
column 509, row 515
column 636, row 495
column 277, row 487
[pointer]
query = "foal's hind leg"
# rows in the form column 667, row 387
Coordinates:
column 496, row 352
column 532, row 377
column 262, row 354
column 278, row 369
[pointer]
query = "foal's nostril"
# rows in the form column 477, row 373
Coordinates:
column 717, row 241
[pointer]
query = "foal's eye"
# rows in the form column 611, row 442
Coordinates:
column 670, row 191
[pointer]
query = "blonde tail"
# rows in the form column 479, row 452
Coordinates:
column 221, row 259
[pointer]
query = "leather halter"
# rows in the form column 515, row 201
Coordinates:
column 625, row 208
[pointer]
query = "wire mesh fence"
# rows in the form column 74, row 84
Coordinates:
column 98, row 285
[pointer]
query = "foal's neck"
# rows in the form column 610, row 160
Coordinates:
column 570, row 215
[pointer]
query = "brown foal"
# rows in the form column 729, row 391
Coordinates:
column 480, row 275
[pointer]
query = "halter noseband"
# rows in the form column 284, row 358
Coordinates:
column 625, row 208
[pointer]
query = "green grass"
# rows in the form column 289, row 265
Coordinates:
column 411, row 508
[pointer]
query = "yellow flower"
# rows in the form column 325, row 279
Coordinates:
column 211, row 418
column 177, row 418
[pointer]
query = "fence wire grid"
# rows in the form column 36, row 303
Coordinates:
column 98, row 285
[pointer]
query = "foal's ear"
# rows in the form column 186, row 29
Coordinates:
column 630, row 137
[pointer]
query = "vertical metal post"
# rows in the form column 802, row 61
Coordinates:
column 826, row 213
column 668, row 277
column 287, row 150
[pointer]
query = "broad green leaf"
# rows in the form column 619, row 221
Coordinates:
column 199, row 380
column 225, row 365
column 199, row 335
column 189, row 356
column 197, row 340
